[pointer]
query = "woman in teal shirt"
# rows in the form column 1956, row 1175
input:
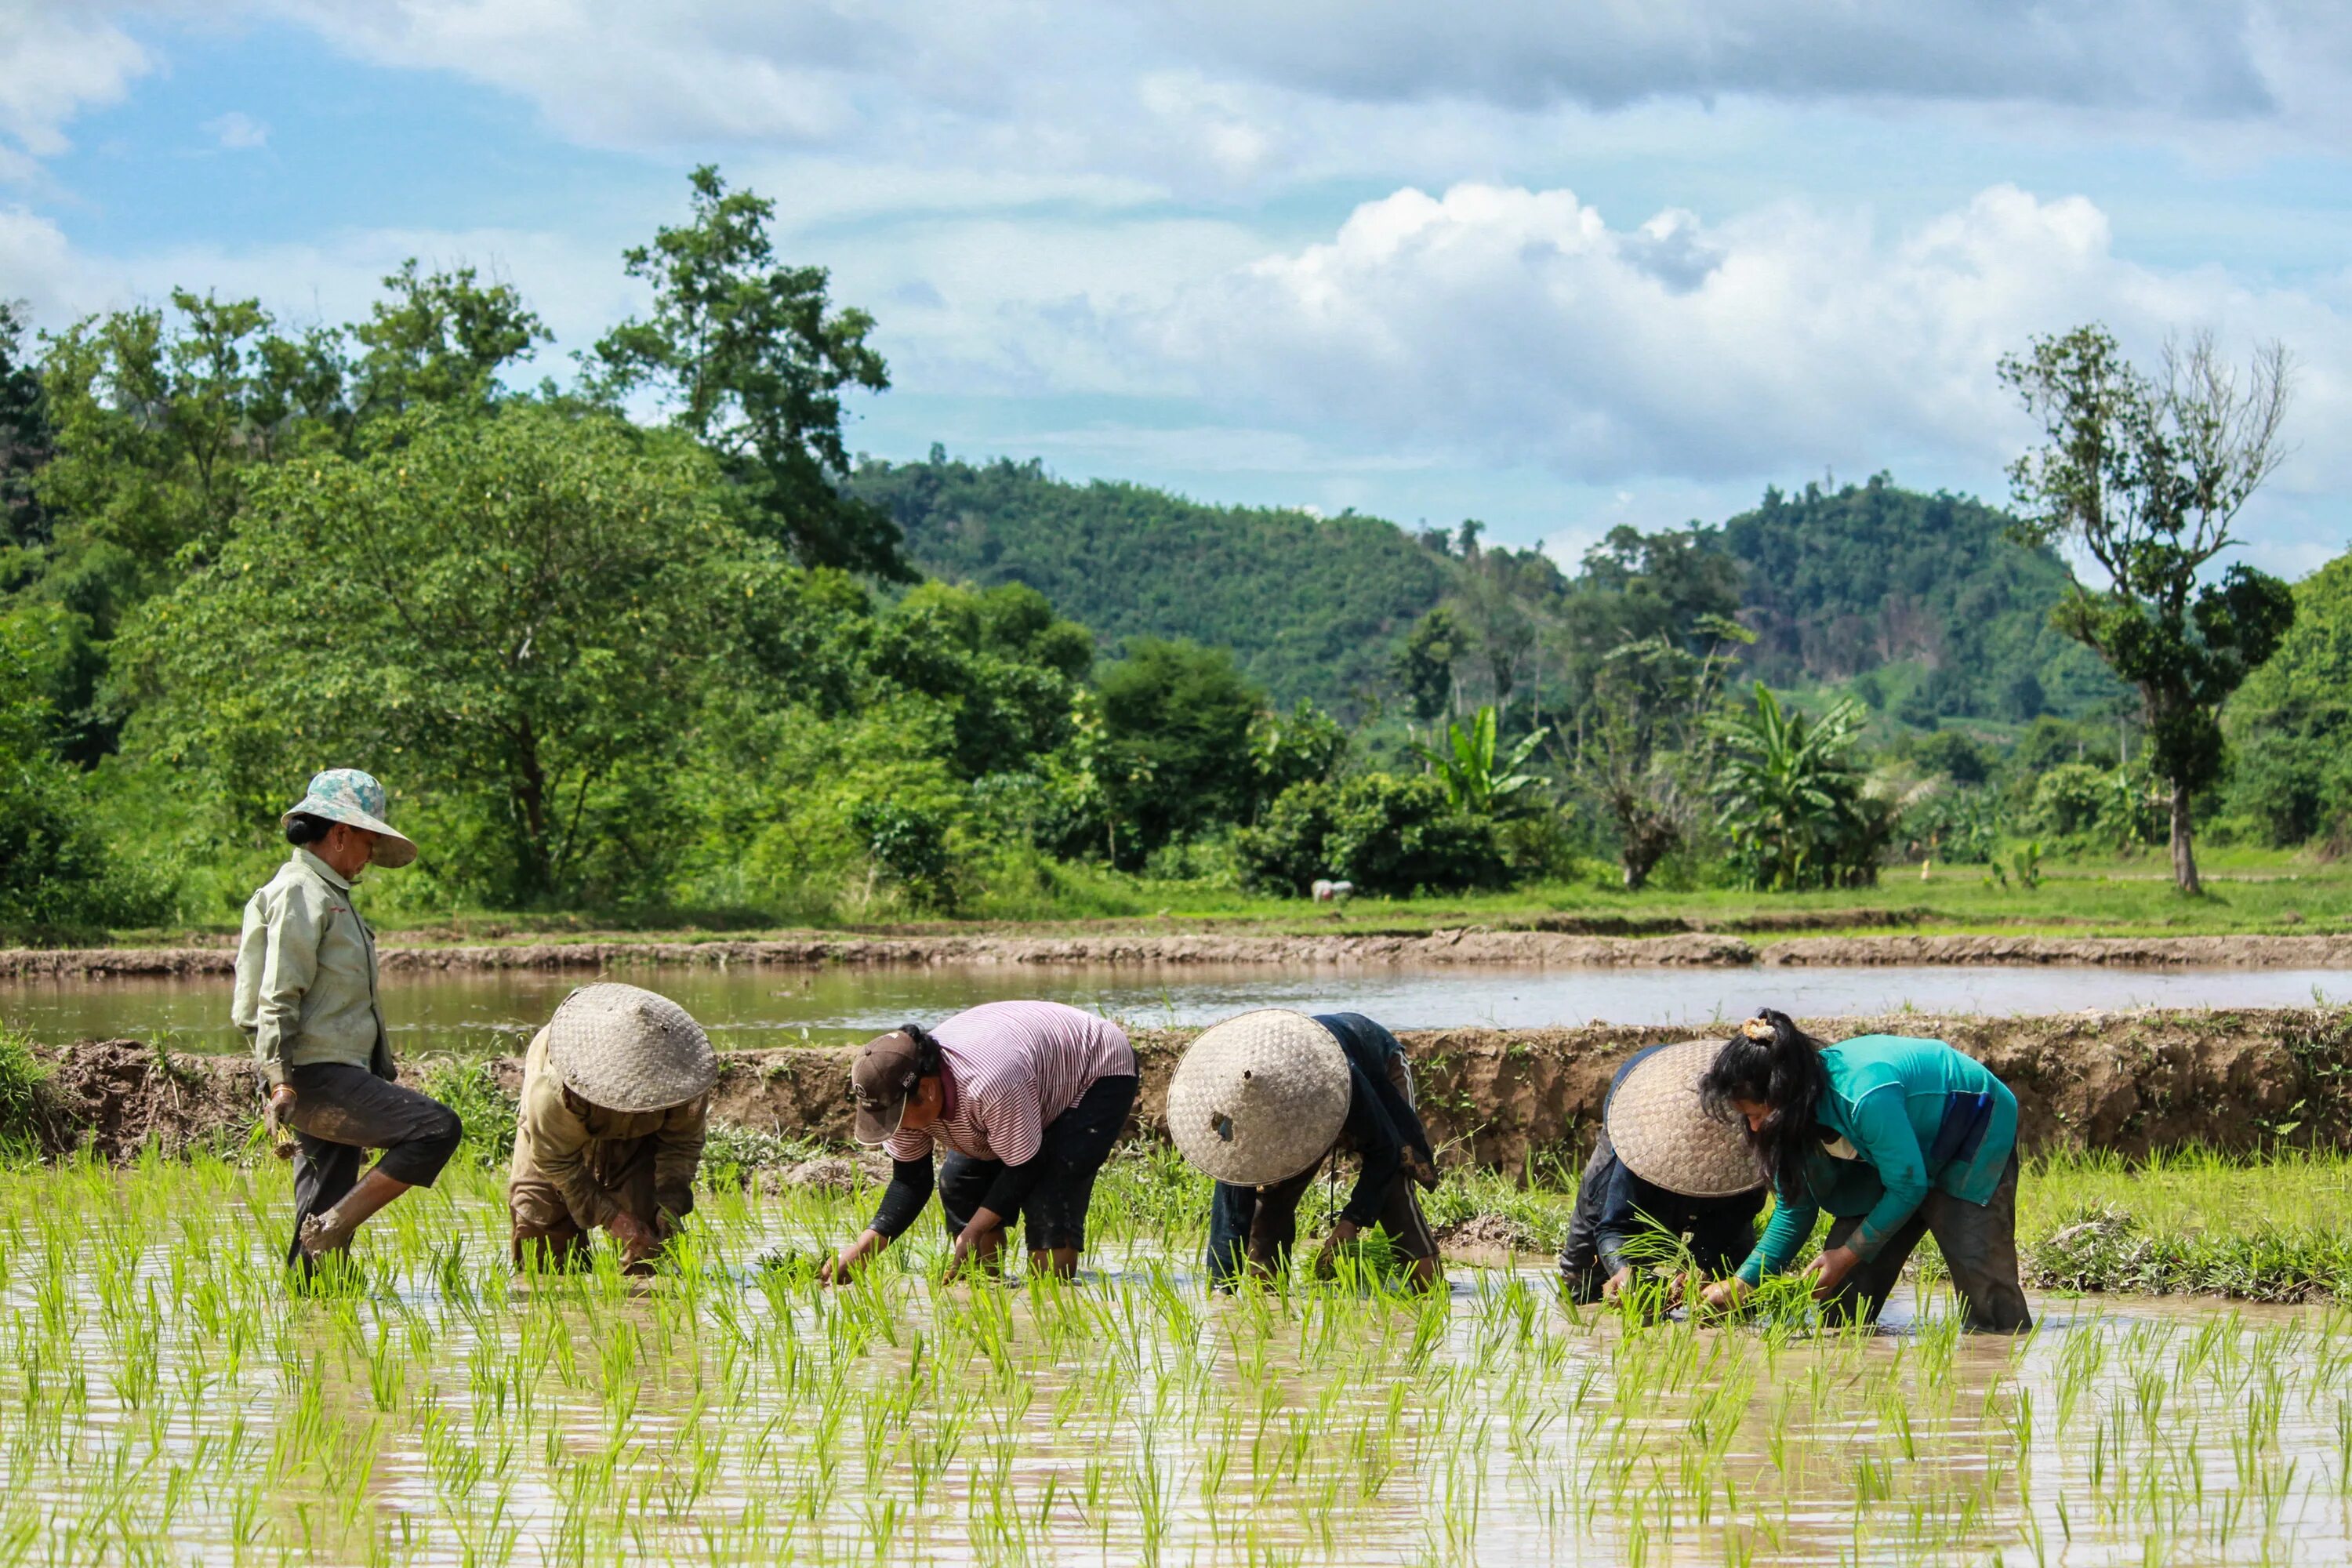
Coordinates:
column 1897, row 1139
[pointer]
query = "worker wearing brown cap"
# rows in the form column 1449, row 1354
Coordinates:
column 1027, row 1098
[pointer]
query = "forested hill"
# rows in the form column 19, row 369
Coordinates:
column 1311, row 606
column 1922, row 589
column 1838, row 582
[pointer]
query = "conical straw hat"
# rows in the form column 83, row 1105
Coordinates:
column 1259, row 1098
column 1658, row 1127
column 626, row 1048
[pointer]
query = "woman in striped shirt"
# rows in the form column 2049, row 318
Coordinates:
column 1027, row 1098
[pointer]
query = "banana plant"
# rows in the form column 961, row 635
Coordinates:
column 1474, row 782
column 1789, row 792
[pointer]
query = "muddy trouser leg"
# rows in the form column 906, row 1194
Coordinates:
column 323, row 1173
column 1074, row 1145
column 545, row 1236
column 341, row 1111
column 1863, row 1294
column 1274, row 1228
column 1979, row 1247
column 1579, row 1255
column 963, row 1182
column 1231, row 1210
column 1401, row 1217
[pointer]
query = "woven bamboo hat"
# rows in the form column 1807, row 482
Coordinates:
column 1658, row 1127
column 626, row 1048
column 1259, row 1098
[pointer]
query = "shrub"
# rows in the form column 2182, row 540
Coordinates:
column 1385, row 833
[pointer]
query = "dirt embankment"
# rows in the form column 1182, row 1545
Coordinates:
column 2131, row 1082
column 1468, row 946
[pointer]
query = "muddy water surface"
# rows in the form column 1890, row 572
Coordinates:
column 162, row 1398
column 479, row 1012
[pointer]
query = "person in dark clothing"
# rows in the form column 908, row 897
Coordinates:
column 1356, row 1100
column 1623, row 1221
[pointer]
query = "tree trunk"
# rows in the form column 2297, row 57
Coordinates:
column 2184, row 854
column 530, row 795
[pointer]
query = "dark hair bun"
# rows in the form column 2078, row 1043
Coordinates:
column 302, row 828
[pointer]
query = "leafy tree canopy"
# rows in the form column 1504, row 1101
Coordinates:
column 753, row 359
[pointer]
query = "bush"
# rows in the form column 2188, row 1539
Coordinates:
column 24, row 1094
column 2070, row 797
column 1385, row 833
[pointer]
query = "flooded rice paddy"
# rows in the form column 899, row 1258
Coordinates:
column 495, row 1012
column 164, row 1399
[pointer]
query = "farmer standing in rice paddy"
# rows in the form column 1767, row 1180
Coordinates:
column 609, row 1132
column 1664, row 1177
column 306, row 995
column 1027, row 1098
column 1260, row 1101
column 1897, row 1139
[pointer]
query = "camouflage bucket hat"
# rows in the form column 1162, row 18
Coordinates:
column 347, row 795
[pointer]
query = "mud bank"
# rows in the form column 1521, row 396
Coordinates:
column 1468, row 946
column 1513, row 1099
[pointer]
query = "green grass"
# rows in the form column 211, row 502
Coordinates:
column 2248, row 891
column 165, row 1397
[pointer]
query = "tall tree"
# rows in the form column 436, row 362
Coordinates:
column 25, row 440
column 439, row 338
column 519, row 614
column 2147, row 473
column 1424, row 666
column 753, row 361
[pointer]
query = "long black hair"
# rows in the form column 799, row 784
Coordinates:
column 927, row 1052
column 1770, row 1061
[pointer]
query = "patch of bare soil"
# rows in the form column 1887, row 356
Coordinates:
column 116, row 1096
column 1514, row 1099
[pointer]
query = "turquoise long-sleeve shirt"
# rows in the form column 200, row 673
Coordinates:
column 1902, row 1118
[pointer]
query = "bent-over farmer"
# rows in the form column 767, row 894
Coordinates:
column 609, row 1132
column 306, row 996
column 1664, row 1177
column 1897, row 1139
column 1260, row 1101
column 1027, row 1098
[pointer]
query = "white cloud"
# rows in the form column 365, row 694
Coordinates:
column 1516, row 325
column 54, row 63
column 236, row 131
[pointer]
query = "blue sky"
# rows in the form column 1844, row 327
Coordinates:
column 1429, row 262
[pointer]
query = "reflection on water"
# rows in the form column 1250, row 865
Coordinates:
column 162, row 1398
column 770, row 1007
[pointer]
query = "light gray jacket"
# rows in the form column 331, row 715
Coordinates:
column 306, row 975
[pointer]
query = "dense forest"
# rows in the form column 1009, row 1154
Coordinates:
column 649, row 645
column 1312, row 608
column 1924, row 597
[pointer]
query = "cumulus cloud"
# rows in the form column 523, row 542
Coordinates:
column 1519, row 326
column 54, row 63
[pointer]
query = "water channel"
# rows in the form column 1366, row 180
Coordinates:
column 748, row 1007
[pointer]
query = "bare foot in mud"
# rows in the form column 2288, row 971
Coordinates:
column 325, row 1233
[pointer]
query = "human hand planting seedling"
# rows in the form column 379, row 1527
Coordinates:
column 1262, row 1101
column 1027, row 1100
column 610, row 1128
column 1897, row 1139
column 1668, row 1185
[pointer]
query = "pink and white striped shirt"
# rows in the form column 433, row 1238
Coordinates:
column 1011, row 1068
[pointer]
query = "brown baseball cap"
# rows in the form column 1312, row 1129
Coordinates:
column 879, row 1080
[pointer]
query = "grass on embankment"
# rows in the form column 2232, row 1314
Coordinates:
column 2248, row 892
